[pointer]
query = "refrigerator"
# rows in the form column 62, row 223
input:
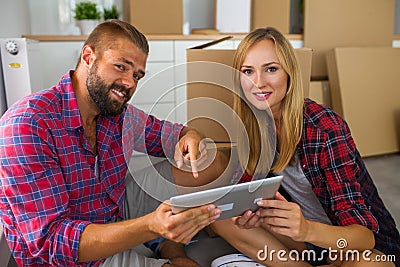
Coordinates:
column 20, row 70
column 20, row 75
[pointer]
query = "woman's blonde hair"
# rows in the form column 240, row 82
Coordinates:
column 291, row 108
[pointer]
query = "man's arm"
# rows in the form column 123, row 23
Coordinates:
column 103, row 240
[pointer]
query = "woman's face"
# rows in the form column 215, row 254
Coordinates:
column 263, row 79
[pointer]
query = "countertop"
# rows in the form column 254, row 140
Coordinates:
column 72, row 38
column 66, row 38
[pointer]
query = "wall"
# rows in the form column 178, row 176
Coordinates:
column 55, row 17
column 46, row 17
column 14, row 18
column 199, row 14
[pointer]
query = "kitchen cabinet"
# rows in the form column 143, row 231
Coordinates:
column 154, row 93
column 156, row 88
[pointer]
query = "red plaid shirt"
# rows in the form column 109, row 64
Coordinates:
column 49, row 190
column 339, row 178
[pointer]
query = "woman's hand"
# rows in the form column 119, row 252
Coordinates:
column 278, row 216
column 284, row 218
column 248, row 220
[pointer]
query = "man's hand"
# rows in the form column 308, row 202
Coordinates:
column 183, row 226
column 190, row 148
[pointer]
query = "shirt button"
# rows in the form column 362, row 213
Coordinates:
column 304, row 166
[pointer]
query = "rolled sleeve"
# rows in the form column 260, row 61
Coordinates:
column 66, row 243
column 341, row 171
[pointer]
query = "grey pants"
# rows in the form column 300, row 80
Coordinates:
column 145, row 190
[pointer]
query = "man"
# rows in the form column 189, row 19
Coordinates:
column 63, row 169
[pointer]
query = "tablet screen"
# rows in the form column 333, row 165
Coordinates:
column 233, row 200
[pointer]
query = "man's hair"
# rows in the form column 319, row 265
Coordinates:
column 106, row 34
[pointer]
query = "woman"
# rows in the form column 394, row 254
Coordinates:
column 334, row 204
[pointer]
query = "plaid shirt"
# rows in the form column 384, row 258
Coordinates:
column 49, row 188
column 339, row 178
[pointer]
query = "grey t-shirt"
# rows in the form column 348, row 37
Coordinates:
column 298, row 187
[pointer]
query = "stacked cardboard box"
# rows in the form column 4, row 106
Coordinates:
column 320, row 93
column 166, row 17
column 274, row 13
column 157, row 16
column 364, row 85
column 343, row 23
column 351, row 41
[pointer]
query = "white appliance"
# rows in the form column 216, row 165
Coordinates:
column 20, row 70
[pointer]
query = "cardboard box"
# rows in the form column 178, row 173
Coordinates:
column 364, row 84
column 210, row 79
column 342, row 23
column 320, row 93
column 157, row 16
column 275, row 13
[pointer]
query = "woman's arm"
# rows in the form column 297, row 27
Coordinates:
column 285, row 218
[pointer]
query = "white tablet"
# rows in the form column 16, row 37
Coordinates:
column 233, row 200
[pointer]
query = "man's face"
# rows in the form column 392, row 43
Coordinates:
column 100, row 92
column 113, row 78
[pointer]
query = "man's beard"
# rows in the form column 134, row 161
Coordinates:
column 99, row 91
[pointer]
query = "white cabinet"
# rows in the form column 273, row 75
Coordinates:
column 156, row 85
column 156, row 88
column 161, row 51
column 155, row 92
column 57, row 58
